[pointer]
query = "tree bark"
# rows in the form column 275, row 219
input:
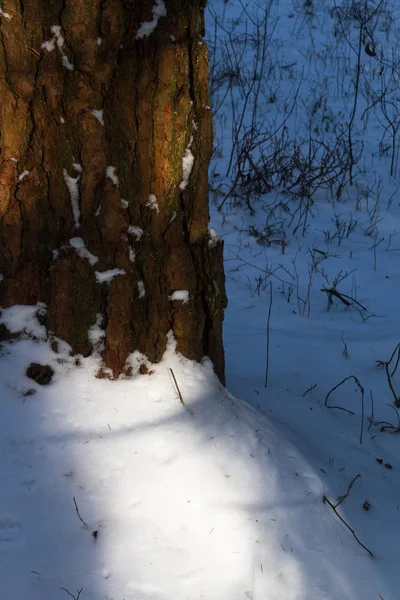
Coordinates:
column 99, row 124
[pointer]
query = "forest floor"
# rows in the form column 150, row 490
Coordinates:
column 170, row 487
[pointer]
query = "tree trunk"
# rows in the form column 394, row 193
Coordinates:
column 106, row 138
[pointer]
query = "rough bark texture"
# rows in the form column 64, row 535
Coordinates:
column 153, row 92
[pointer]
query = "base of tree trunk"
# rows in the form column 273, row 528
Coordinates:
column 106, row 137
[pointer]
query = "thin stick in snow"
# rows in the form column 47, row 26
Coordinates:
column 389, row 375
column 78, row 592
column 347, row 301
column 362, row 418
column 397, row 361
column 309, row 389
column 345, row 349
column 77, row 512
column 372, row 410
column 360, row 387
column 334, row 508
column 268, row 324
column 336, row 387
column 343, row 498
column 396, row 399
column 177, row 387
column 332, row 292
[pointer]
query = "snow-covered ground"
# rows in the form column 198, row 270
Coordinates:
column 204, row 500
column 121, row 491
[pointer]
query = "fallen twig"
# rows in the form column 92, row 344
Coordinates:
column 334, row 508
column 309, row 389
column 372, row 410
column 345, row 298
column 177, row 387
column 345, row 349
column 348, row 526
column 386, row 365
column 386, row 425
column 397, row 361
column 362, row 415
column 332, row 292
column 77, row 512
column 268, row 324
column 396, row 399
column 360, row 387
column 72, row 596
column 397, row 414
column 343, row 498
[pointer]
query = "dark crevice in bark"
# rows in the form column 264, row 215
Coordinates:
column 31, row 112
column 192, row 86
column 62, row 9
column 7, row 68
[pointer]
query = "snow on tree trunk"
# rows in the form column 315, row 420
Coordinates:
column 106, row 131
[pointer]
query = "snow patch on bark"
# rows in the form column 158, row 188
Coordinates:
column 111, row 174
column 152, row 203
column 6, row 15
column 141, row 290
column 214, row 238
column 181, row 296
column 99, row 114
column 187, row 165
column 97, row 334
column 20, row 318
column 79, row 245
column 72, row 185
column 137, row 232
column 58, row 40
column 67, row 64
column 171, row 345
column 107, row 276
column 136, row 360
column 58, row 37
column 22, row 176
column 147, row 28
column 50, row 45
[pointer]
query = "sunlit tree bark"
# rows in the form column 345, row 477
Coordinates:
column 106, row 137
